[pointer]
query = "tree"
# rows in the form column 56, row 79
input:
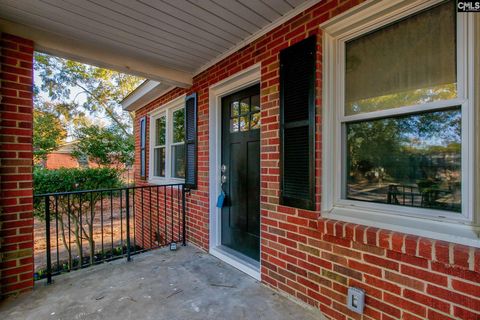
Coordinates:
column 48, row 134
column 391, row 143
column 104, row 145
column 102, row 89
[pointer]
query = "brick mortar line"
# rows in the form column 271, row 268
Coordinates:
column 400, row 263
column 403, row 287
column 428, row 268
column 392, row 233
column 427, row 307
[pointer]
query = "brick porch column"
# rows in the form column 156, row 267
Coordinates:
column 16, row 203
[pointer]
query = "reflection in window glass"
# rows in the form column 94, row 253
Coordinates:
column 159, row 161
column 255, row 120
column 235, row 109
column 409, row 62
column 412, row 160
column 178, row 125
column 255, row 103
column 178, row 161
column 244, row 123
column 245, row 114
column 160, row 131
column 234, row 125
column 245, row 105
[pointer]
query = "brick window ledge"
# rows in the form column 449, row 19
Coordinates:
column 441, row 256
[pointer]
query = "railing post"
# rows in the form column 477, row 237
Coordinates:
column 47, row 235
column 127, row 205
column 184, row 232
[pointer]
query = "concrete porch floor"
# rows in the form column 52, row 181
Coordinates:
column 186, row 284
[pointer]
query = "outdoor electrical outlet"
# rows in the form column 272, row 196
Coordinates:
column 356, row 299
column 173, row 246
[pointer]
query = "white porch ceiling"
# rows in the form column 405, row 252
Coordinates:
column 164, row 40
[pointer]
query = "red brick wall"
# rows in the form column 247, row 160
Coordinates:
column 57, row 160
column 61, row 160
column 314, row 259
column 197, row 202
column 157, row 216
column 16, row 208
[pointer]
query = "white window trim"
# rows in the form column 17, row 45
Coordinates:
column 431, row 223
column 167, row 111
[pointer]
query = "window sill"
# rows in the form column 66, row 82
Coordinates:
column 165, row 181
column 464, row 234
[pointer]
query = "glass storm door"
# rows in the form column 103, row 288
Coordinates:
column 241, row 171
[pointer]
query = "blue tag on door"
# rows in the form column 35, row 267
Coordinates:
column 221, row 200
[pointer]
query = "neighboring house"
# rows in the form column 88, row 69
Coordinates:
column 344, row 134
column 63, row 158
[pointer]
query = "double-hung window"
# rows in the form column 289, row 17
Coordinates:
column 160, row 140
column 178, row 143
column 167, row 143
column 399, row 112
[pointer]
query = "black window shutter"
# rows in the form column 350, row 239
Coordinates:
column 143, row 137
column 297, row 125
column 191, row 141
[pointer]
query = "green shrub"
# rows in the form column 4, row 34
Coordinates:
column 74, row 179
column 74, row 213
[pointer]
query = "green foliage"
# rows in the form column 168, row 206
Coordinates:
column 72, row 212
column 105, row 146
column 403, row 146
column 48, row 134
column 102, row 89
column 404, row 98
column 73, row 179
column 178, row 125
column 78, row 92
column 160, row 128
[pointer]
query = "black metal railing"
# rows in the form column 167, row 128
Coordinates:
column 414, row 196
column 83, row 228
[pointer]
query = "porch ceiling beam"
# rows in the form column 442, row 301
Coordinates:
column 98, row 54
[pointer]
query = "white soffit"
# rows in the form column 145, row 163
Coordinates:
column 144, row 94
column 168, row 41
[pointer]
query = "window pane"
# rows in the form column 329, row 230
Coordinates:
column 245, row 105
column 255, row 103
column 83, row 161
column 234, row 125
column 235, row 109
column 244, row 122
column 255, row 120
column 178, row 125
column 412, row 160
column 409, row 62
column 160, row 131
column 178, row 161
column 159, row 162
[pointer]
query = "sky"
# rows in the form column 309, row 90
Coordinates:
column 78, row 96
